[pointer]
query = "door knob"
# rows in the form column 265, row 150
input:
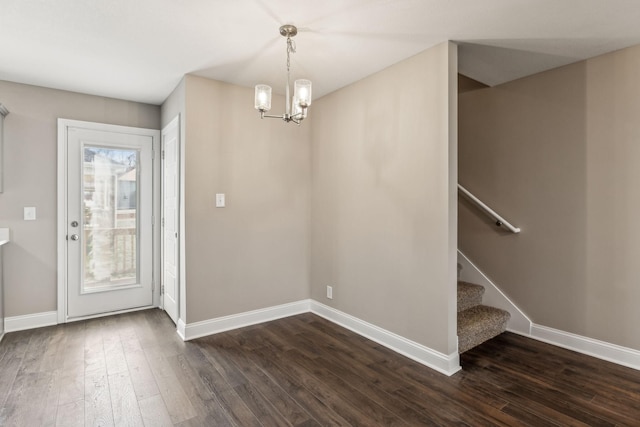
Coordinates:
column 74, row 237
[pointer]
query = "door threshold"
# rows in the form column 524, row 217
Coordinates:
column 110, row 313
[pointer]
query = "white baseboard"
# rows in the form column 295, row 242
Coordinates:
column 602, row 350
column 181, row 329
column 493, row 296
column 240, row 320
column 445, row 364
column 30, row 321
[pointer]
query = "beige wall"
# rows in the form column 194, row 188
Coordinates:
column 255, row 252
column 466, row 84
column 383, row 227
column 173, row 105
column 30, row 156
column 557, row 154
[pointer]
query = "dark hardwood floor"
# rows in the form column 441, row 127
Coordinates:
column 133, row 370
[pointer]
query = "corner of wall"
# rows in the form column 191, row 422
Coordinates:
column 452, row 55
column 447, row 364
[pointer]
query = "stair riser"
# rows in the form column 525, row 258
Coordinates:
column 469, row 295
column 469, row 302
column 479, row 324
column 469, row 341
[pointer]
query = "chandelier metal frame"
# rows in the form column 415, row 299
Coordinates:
column 296, row 107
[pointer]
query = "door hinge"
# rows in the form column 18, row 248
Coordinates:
column 162, row 154
column 162, row 289
column 162, row 222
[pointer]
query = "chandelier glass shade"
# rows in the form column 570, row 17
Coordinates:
column 296, row 107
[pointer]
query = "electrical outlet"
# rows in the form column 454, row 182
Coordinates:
column 330, row 292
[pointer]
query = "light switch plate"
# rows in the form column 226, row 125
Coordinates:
column 220, row 202
column 29, row 213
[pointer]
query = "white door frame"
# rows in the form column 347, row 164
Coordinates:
column 63, row 125
column 175, row 122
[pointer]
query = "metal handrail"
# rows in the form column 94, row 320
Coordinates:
column 500, row 221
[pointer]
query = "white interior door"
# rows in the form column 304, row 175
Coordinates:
column 109, row 220
column 170, row 150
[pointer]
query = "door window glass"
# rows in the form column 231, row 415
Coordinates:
column 110, row 189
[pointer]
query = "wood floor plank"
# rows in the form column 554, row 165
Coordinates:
column 305, row 397
column 264, row 412
column 361, row 399
column 345, row 409
column 154, row 412
column 97, row 401
column 114, row 355
column 133, row 369
column 173, row 394
column 622, row 411
column 95, row 362
column 124, row 404
column 360, row 380
column 529, row 418
column 265, row 384
column 70, row 414
column 35, row 352
column 71, row 387
column 131, row 344
column 53, row 358
column 224, row 395
column 49, row 391
column 22, row 409
column 447, row 402
column 11, row 363
column 209, row 409
column 373, row 352
column 144, row 383
column 72, row 353
column 163, row 332
column 567, row 401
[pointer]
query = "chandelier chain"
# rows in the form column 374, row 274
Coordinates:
column 291, row 48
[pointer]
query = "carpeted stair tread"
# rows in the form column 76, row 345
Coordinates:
column 479, row 324
column 469, row 295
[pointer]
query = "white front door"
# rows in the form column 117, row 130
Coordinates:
column 170, row 174
column 109, row 219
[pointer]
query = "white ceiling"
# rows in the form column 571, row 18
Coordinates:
column 139, row 49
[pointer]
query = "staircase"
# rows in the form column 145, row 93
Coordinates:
column 477, row 323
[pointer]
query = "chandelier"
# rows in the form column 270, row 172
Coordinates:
column 296, row 107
